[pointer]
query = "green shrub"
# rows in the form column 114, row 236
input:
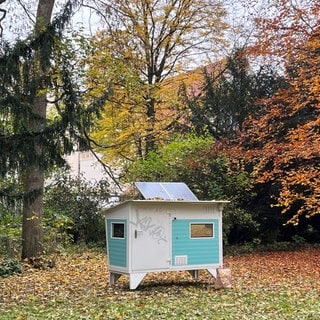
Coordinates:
column 9, row 267
column 56, row 227
column 298, row 240
column 10, row 232
column 72, row 207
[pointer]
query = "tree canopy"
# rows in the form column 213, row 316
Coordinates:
column 283, row 141
column 227, row 94
column 143, row 44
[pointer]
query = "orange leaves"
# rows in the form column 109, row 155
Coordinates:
column 284, row 143
column 283, row 25
column 276, row 269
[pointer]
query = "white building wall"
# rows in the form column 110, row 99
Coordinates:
column 85, row 164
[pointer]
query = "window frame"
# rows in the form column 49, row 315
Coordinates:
column 204, row 224
column 112, row 233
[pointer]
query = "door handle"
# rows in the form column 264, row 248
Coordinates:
column 136, row 233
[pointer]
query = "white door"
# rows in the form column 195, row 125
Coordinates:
column 150, row 239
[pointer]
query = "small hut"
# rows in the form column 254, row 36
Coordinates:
column 168, row 230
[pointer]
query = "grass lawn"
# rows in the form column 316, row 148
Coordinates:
column 277, row 285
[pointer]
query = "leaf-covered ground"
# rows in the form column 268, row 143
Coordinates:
column 277, row 285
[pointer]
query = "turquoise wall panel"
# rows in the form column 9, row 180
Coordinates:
column 198, row 250
column 117, row 247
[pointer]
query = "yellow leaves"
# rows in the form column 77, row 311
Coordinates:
column 152, row 42
column 87, row 276
column 264, row 285
column 41, row 92
column 73, row 275
column 33, row 217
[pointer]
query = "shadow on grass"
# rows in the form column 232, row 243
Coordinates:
column 164, row 281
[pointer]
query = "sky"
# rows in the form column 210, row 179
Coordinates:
column 21, row 14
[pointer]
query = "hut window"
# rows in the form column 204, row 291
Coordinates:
column 201, row 230
column 117, row 230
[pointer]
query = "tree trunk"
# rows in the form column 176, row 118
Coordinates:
column 151, row 115
column 32, row 234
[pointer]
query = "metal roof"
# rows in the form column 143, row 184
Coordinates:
column 165, row 191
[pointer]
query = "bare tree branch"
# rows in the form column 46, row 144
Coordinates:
column 4, row 12
column 32, row 19
column 107, row 168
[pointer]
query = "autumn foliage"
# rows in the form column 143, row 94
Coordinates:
column 143, row 45
column 270, row 284
column 282, row 142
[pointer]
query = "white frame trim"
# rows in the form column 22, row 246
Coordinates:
column 195, row 238
column 112, row 229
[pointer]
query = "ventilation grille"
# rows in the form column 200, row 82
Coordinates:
column 180, row 260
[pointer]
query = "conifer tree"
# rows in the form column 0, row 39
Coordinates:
column 228, row 94
column 33, row 73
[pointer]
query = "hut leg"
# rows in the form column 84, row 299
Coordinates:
column 114, row 277
column 194, row 273
column 135, row 279
column 213, row 272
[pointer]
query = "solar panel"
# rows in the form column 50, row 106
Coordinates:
column 166, row 191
